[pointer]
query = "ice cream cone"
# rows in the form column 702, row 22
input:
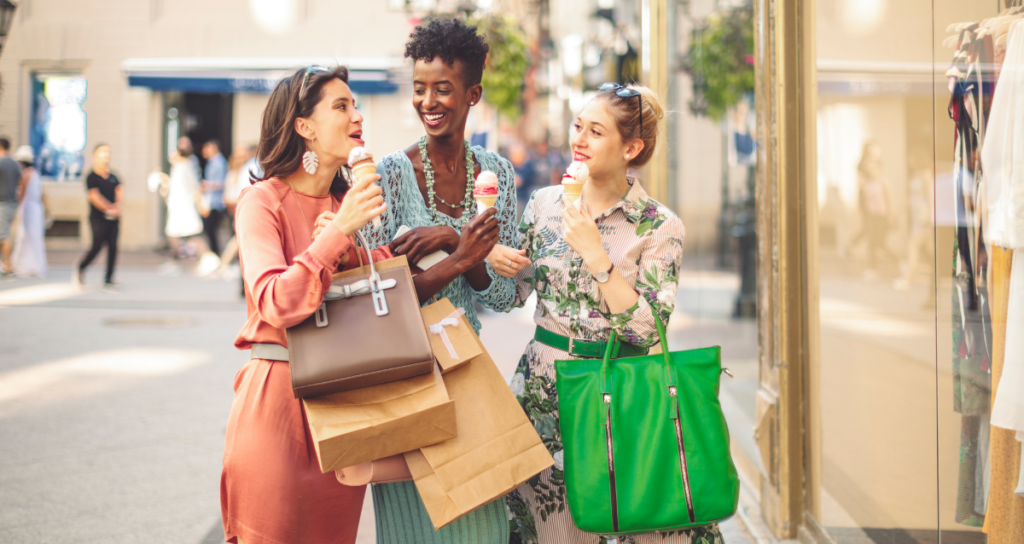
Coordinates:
column 573, row 188
column 484, row 202
column 486, row 191
column 574, row 179
column 362, row 170
column 361, row 162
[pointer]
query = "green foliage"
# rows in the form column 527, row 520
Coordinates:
column 720, row 61
column 507, row 62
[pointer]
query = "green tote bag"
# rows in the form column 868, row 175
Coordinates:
column 646, row 443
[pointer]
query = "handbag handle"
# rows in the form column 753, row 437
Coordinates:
column 362, row 241
column 612, row 350
column 376, row 285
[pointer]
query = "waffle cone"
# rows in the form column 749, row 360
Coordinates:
column 364, row 169
column 573, row 190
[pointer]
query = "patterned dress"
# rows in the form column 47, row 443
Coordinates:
column 399, row 511
column 645, row 241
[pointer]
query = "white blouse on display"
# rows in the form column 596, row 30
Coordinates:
column 1003, row 150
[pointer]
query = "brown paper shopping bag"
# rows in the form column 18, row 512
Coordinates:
column 375, row 422
column 452, row 339
column 496, row 450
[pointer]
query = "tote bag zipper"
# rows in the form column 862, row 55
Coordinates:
column 682, row 455
column 611, row 460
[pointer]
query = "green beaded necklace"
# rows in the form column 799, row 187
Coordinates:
column 428, row 172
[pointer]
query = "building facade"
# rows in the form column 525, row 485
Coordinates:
column 135, row 74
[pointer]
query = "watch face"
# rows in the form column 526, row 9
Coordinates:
column 601, row 277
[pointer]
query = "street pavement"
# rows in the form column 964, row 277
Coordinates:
column 113, row 405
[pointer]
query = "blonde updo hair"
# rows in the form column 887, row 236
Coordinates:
column 627, row 119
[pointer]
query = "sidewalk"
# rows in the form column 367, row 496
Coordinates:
column 113, row 405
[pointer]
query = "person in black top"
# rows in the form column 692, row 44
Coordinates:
column 105, row 195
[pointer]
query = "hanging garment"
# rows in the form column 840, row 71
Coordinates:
column 972, row 338
column 1004, row 515
column 1020, row 477
column 1003, row 150
column 1008, row 408
column 982, row 472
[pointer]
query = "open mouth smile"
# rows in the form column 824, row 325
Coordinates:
column 577, row 156
column 358, row 137
column 433, row 119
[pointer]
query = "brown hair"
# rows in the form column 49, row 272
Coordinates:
column 281, row 147
column 626, row 113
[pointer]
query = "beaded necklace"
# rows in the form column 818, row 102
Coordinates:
column 432, row 197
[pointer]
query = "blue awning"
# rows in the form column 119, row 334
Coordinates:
column 250, row 75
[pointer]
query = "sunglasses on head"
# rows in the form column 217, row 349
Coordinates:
column 625, row 92
column 310, row 70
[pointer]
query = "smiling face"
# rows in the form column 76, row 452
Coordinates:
column 441, row 98
column 335, row 127
column 596, row 141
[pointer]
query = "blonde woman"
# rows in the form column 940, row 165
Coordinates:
column 609, row 264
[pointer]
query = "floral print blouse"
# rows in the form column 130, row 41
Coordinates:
column 642, row 237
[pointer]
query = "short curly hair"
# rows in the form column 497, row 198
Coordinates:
column 450, row 39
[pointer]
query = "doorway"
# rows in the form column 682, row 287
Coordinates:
column 208, row 117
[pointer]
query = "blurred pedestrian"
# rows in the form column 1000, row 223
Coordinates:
column 29, row 257
column 105, row 194
column 272, row 489
column 214, row 176
column 525, row 175
column 10, row 180
column 875, row 209
column 183, row 195
column 240, row 174
column 546, row 166
column 920, row 239
column 238, row 177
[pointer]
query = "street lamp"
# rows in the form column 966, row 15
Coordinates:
column 6, row 18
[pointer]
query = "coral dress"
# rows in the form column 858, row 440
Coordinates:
column 272, row 490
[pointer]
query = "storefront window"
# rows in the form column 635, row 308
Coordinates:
column 58, row 126
column 715, row 187
column 912, row 284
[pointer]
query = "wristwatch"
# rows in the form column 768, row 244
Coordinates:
column 602, row 277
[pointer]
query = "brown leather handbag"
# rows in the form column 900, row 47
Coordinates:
column 368, row 330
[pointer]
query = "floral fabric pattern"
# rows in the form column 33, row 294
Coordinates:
column 645, row 241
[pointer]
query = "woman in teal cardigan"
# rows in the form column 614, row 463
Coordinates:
column 428, row 187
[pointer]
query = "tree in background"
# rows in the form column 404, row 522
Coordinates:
column 507, row 63
column 721, row 61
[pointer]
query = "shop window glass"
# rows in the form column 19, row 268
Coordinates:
column 58, row 126
column 909, row 288
column 716, row 146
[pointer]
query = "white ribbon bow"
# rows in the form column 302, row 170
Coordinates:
column 450, row 321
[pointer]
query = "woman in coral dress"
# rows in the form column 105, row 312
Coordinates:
column 272, row 490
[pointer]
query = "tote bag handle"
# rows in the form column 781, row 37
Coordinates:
column 612, row 350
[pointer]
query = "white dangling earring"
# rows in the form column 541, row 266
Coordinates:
column 310, row 161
